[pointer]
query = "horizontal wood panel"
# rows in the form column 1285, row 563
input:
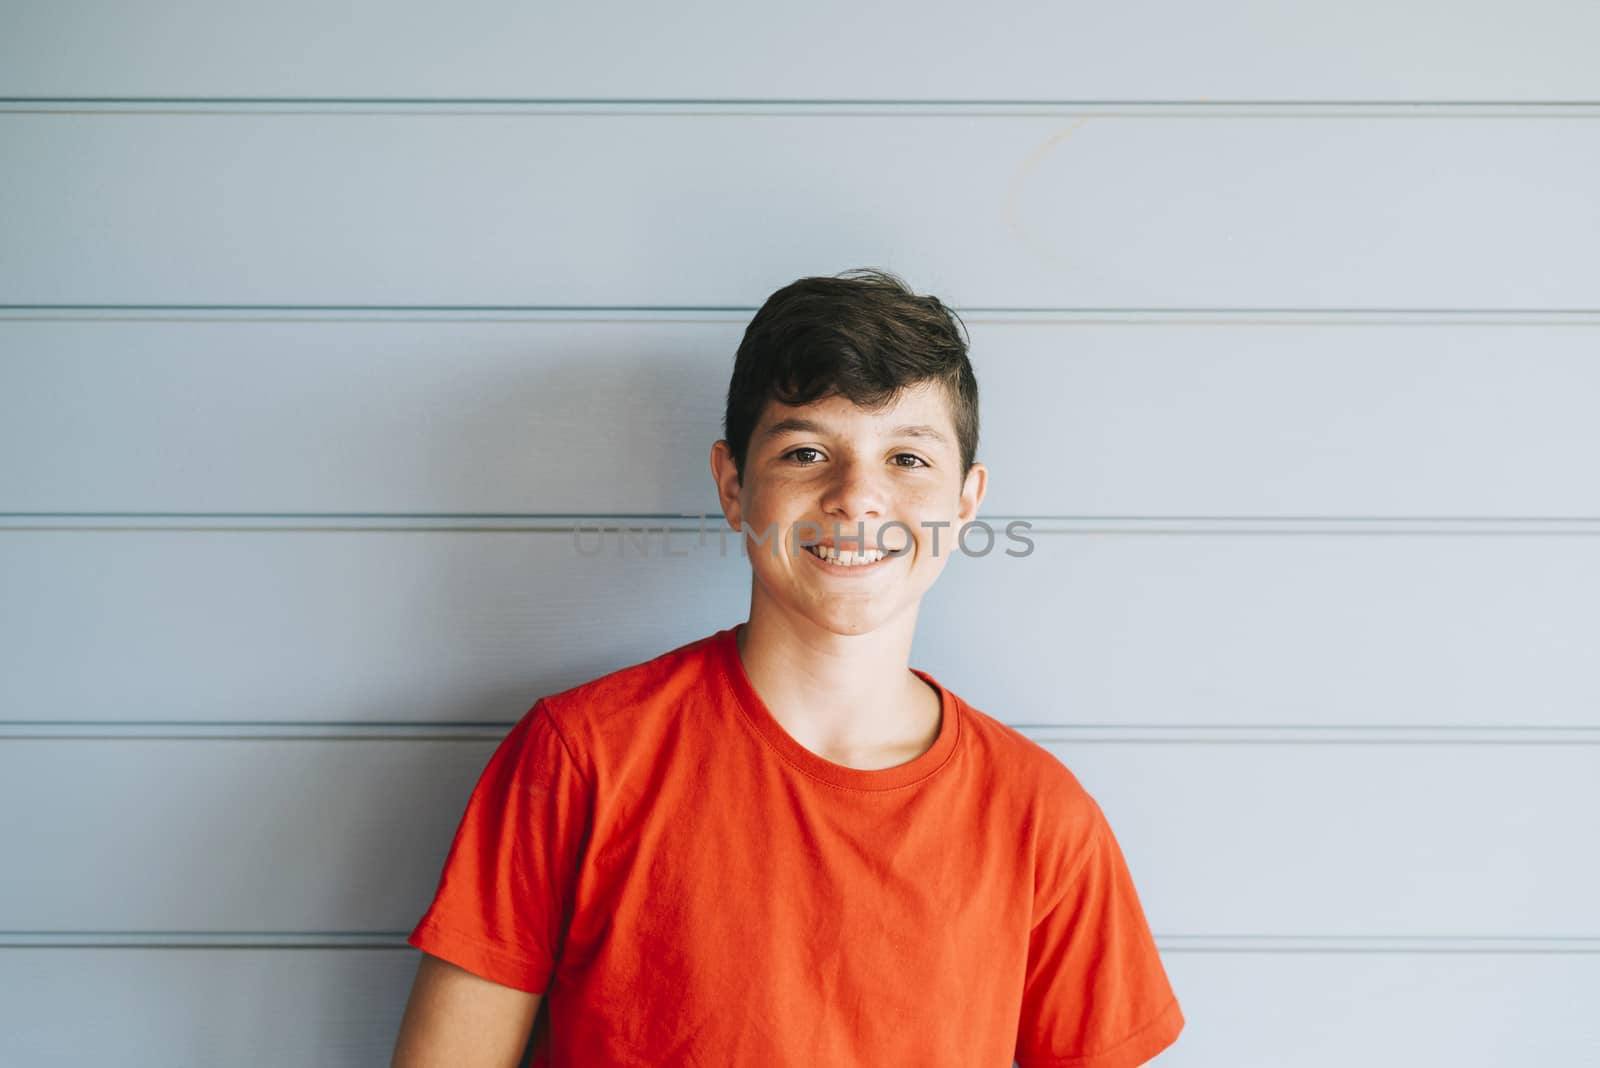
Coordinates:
column 1175, row 629
column 1223, row 839
column 1424, row 840
column 341, row 1008
column 552, row 209
column 1262, row 629
column 568, row 417
column 188, row 1008
column 1315, row 1010
column 225, row 836
column 826, row 49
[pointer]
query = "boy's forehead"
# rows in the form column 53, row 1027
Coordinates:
column 917, row 411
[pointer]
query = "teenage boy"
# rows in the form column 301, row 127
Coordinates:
column 780, row 845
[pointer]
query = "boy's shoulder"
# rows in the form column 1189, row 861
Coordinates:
column 1025, row 764
column 612, row 703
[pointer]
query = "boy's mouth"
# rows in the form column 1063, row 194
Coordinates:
column 832, row 554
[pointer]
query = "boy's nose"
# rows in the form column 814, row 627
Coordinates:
column 856, row 492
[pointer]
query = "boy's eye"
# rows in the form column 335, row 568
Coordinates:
column 796, row 455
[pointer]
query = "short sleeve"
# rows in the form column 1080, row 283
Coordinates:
column 505, row 896
column 1096, row 994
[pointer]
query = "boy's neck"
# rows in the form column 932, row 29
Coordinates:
column 851, row 699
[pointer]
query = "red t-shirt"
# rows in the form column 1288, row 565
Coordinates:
column 688, row 885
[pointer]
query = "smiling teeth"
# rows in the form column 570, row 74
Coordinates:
column 846, row 558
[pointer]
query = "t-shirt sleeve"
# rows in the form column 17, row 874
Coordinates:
column 1096, row 994
column 505, row 896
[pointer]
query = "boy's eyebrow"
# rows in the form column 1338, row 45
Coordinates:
column 917, row 430
column 809, row 426
column 793, row 426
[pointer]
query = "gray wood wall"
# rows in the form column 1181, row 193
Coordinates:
column 321, row 326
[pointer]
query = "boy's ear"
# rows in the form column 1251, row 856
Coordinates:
column 973, row 488
column 726, row 476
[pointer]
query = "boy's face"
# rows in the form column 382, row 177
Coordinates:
column 831, row 472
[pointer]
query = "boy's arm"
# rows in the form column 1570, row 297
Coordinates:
column 1096, row 993
column 493, row 934
column 457, row 1019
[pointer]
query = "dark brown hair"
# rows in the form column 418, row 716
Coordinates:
column 862, row 333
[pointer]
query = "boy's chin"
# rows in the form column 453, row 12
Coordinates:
column 854, row 620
